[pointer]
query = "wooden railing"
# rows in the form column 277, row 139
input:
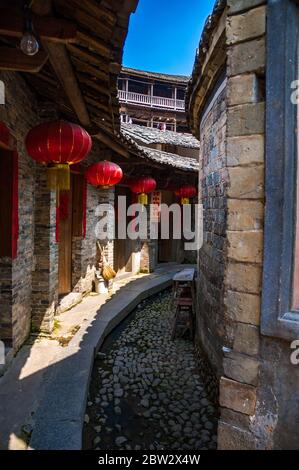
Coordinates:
column 151, row 101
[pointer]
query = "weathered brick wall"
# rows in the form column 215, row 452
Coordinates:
column 211, row 325
column 20, row 114
column 29, row 284
column 45, row 269
column 84, row 251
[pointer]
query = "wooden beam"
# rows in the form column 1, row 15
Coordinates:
column 87, row 56
column 41, row 7
column 49, row 28
column 14, row 60
column 84, row 67
column 93, row 44
column 63, row 68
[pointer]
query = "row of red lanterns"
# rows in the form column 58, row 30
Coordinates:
column 61, row 144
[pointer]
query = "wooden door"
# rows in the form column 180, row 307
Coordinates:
column 167, row 249
column 123, row 248
column 65, row 243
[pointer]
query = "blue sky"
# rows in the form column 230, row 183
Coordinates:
column 164, row 34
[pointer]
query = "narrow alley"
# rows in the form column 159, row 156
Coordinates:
column 146, row 390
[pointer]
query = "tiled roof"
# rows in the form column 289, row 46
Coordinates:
column 161, row 158
column 148, row 135
column 171, row 159
column 182, row 79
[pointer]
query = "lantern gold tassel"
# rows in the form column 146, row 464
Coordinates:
column 63, row 177
column 185, row 201
column 58, row 177
column 143, row 199
column 52, row 177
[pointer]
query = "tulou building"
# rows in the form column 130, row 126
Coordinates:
column 79, row 132
column 152, row 99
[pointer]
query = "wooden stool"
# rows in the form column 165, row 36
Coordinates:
column 183, row 300
column 184, row 317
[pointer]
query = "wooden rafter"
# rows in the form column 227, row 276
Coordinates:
column 63, row 68
column 49, row 28
column 14, row 60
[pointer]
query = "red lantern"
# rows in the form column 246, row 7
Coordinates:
column 142, row 186
column 105, row 174
column 58, row 145
column 186, row 193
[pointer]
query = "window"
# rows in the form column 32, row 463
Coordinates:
column 280, row 303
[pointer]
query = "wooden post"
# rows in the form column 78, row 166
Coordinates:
column 175, row 96
column 152, row 93
column 127, row 89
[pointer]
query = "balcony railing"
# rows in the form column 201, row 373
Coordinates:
column 151, row 101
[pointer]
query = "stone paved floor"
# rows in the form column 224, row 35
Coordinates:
column 146, row 392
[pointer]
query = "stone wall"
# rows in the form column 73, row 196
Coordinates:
column 254, row 390
column 245, row 38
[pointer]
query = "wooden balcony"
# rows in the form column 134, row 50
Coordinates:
column 151, row 101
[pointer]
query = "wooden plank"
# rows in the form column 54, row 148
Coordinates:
column 186, row 275
column 49, row 28
column 94, row 44
column 89, row 57
column 95, row 85
column 92, row 71
column 15, row 60
column 93, row 8
column 84, row 19
column 41, row 7
column 63, row 68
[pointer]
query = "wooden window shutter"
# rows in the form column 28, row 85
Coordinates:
column 9, row 224
column 79, row 205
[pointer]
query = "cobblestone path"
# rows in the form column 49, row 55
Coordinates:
column 146, row 392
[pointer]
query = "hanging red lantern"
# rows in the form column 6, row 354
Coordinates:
column 142, row 186
column 186, row 192
column 58, row 145
column 105, row 174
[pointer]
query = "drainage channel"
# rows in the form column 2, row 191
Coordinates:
column 146, row 391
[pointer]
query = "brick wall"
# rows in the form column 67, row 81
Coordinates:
column 29, row 284
column 19, row 114
column 232, row 191
column 211, row 326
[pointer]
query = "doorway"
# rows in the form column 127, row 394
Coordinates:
column 123, row 248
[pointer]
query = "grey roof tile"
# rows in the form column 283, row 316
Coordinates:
column 149, row 135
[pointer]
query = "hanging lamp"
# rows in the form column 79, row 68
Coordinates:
column 104, row 174
column 58, row 145
column 143, row 186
